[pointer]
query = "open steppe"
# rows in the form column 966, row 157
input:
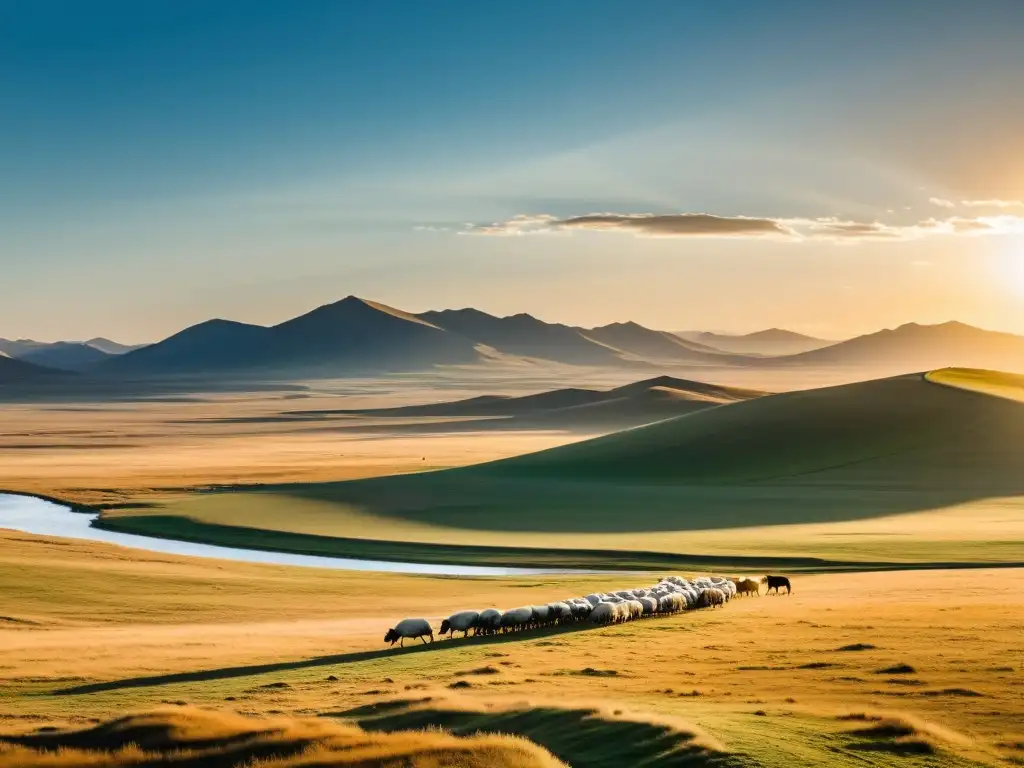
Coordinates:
column 909, row 470
column 94, row 631
column 914, row 667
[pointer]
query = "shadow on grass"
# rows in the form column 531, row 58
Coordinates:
column 225, row 673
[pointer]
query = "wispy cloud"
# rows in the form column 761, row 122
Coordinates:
column 712, row 226
column 993, row 203
column 988, row 203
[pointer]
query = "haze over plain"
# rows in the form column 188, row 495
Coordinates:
column 553, row 299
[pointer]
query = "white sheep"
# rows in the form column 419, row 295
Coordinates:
column 409, row 628
column 605, row 613
column 463, row 621
column 516, row 619
column 650, row 605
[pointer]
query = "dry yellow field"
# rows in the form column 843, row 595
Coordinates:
column 91, row 630
column 110, row 453
column 917, row 668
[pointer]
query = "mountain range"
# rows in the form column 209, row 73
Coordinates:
column 356, row 336
column 64, row 355
column 772, row 342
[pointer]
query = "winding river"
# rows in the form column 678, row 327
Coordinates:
column 46, row 518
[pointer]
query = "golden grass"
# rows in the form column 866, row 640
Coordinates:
column 91, row 631
column 194, row 737
column 262, row 640
column 998, row 383
column 130, row 452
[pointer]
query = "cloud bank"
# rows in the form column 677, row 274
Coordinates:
column 712, row 226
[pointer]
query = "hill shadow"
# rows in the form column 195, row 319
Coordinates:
column 842, row 453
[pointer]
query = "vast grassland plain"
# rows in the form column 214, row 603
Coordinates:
column 243, row 664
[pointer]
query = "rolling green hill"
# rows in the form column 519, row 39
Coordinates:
column 830, row 473
column 840, row 453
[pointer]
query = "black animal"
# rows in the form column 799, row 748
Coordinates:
column 777, row 583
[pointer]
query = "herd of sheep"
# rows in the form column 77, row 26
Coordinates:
column 670, row 595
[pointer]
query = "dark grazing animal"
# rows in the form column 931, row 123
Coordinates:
column 777, row 583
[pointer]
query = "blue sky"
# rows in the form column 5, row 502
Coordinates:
column 165, row 162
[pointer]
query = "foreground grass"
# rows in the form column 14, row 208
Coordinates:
column 92, row 631
column 192, row 738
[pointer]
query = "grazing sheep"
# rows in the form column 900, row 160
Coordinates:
column 409, row 628
column 776, row 583
column 541, row 615
column 673, row 603
column 581, row 610
column 489, row 621
column 711, row 598
column 516, row 619
column 559, row 612
column 604, row 613
column 671, row 594
column 748, row 587
column 463, row 621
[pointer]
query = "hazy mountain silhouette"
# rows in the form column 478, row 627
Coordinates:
column 65, row 356
column 649, row 344
column 773, row 341
column 17, row 347
column 112, row 347
column 351, row 335
column 527, row 336
column 13, row 371
column 366, row 334
column 918, row 347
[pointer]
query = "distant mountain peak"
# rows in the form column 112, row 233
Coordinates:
column 628, row 325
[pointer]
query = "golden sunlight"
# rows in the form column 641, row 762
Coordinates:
column 1011, row 270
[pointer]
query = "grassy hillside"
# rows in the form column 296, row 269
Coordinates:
column 893, row 471
column 194, row 737
column 800, row 681
column 998, row 383
column 882, row 447
column 578, row 409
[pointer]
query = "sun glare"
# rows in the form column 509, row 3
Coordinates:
column 1011, row 268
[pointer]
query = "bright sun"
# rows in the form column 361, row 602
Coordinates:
column 1011, row 269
